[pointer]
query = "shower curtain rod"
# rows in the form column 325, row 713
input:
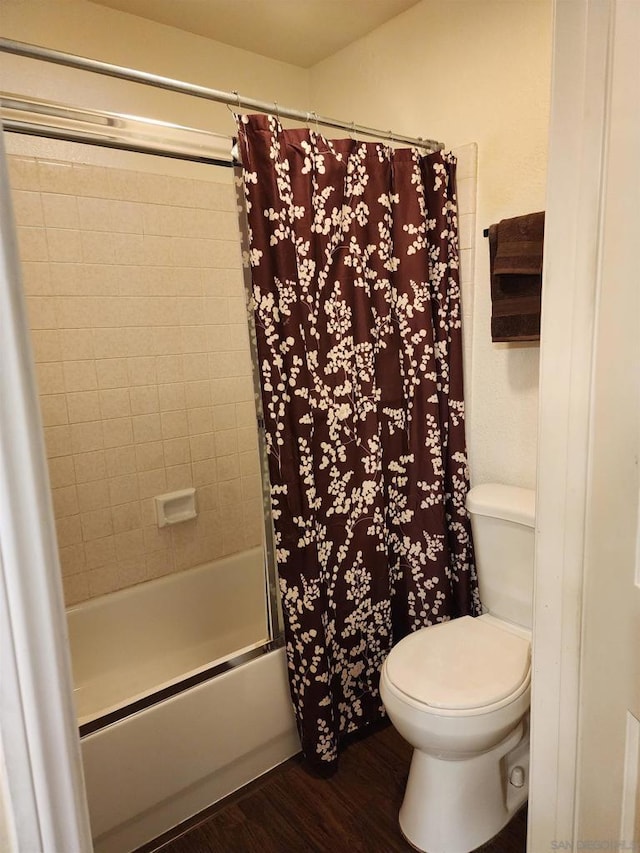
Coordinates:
column 52, row 120
column 120, row 72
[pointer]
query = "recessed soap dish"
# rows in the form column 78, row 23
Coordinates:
column 175, row 507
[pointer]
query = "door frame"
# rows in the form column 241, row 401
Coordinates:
column 582, row 56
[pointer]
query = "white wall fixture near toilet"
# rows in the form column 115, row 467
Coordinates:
column 459, row 692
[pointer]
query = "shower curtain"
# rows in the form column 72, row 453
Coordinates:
column 353, row 251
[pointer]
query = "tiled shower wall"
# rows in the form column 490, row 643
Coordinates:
column 135, row 299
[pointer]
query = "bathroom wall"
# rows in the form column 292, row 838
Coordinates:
column 468, row 71
column 137, row 310
column 88, row 29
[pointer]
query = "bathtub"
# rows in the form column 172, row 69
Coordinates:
column 181, row 698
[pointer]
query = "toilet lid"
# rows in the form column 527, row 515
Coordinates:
column 457, row 665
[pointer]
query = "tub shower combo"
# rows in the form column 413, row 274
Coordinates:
column 169, row 518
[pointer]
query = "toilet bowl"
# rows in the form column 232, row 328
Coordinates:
column 459, row 693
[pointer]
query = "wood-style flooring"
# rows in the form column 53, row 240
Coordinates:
column 292, row 811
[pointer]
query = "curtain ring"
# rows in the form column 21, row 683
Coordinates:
column 239, row 105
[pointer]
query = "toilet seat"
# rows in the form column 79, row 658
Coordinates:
column 465, row 666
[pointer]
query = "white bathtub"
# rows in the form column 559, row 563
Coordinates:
column 151, row 770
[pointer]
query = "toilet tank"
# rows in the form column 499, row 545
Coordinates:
column 503, row 521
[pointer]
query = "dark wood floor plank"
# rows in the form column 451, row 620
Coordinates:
column 355, row 811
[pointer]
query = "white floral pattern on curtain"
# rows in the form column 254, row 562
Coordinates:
column 353, row 250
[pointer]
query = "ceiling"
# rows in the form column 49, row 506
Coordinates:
column 301, row 32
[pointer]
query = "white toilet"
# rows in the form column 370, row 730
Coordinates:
column 459, row 691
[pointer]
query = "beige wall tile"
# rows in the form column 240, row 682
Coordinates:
column 53, row 408
column 202, row 446
column 146, row 428
column 95, row 214
column 169, row 368
column 69, row 531
column 32, row 244
column 129, row 544
column 65, row 501
column 144, row 399
column 229, row 493
column 100, row 552
column 196, row 366
column 159, row 564
column 135, row 341
column 64, row 245
column 112, row 373
column 57, row 440
column 176, row 451
column 174, row 424
column 226, row 442
column 67, row 279
column 114, row 403
column 228, row 467
column 90, row 466
column 50, row 378
column 126, row 517
column 55, row 177
column 132, row 571
column 41, row 312
column 110, row 343
column 224, row 417
column 83, row 406
column 179, row 477
column 208, row 497
column 123, row 489
column 205, row 472
column 91, row 180
column 60, row 211
column 46, row 345
column 200, row 420
column 249, row 463
column 251, row 487
column 23, row 173
column 36, row 278
column 76, row 588
column 93, row 495
column 97, row 248
column 197, row 394
column 76, row 344
column 118, row 432
column 247, row 439
column 151, row 483
column 120, row 460
column 217, row 311
column 27, row 208
column 80, row 376
column 62, row 471
column 171, row 397
column 96, row 524
column 142, row 371
column 72, row 560
column 87, row 436
column 103, row 580
column 149, row 456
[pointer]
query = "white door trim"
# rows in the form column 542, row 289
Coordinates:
column 580, row 85
column 38, row 727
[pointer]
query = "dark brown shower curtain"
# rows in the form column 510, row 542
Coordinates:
column 354, row 261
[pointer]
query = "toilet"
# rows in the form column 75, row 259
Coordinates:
column 459, row 691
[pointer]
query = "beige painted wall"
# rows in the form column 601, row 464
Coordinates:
column 81, row 27
column 468, row 71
